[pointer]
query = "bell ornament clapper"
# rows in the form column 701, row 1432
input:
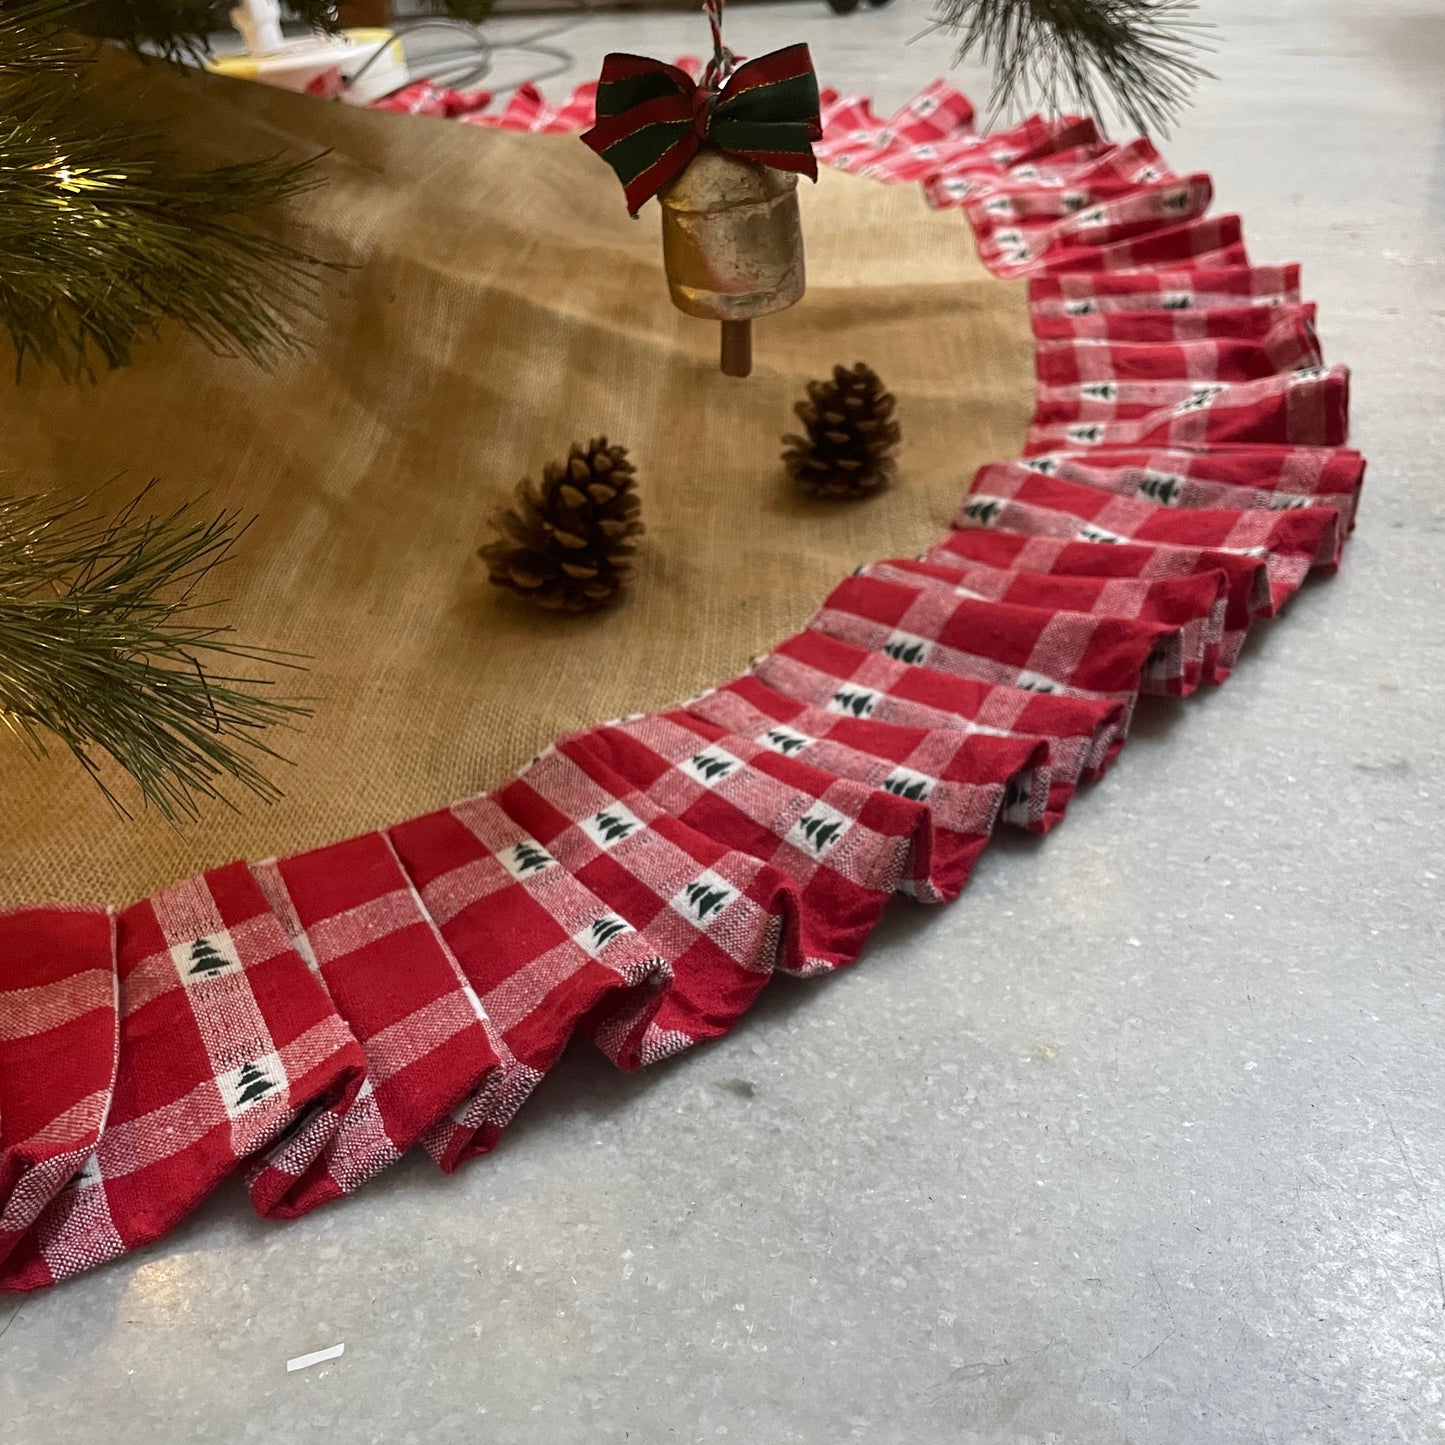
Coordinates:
column 732, row 245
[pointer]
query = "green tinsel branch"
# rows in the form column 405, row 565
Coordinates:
column 1140, row 56
column 102, row 647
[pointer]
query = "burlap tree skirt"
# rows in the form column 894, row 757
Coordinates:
column 499, row 305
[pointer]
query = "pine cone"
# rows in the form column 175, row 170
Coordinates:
column 567, row 545
column 851, row 435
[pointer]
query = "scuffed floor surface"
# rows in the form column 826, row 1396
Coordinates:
column 1137, row 1142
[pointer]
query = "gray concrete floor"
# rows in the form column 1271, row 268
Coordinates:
column 1140, row 1141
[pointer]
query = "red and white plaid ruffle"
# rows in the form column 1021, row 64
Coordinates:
column 307, row 1020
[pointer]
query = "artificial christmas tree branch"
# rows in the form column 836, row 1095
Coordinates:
column 102, row 239
column 103, row 648
column 1140, row 56
column 104, row 236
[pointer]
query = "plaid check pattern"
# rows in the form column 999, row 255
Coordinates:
column 722, row 919
column 1304, row 471
column 1257, row 324
column 1195, row 288
column 907, row 147
column 1211, row 240
column 539, row 949
column 970, row 779
column 1248, row 592
column 845, row 847
column 1013, row 496
column 1296, row 477
column 1048, row 196
column 353, row 914
column 227, row 1040
column 840, row 677
column 426, row 97
column 306, row 1021
column 1304, row 408
column 1290, row 345
column 1089, row 171
column 1018, row 232
column 1192, row 605
column 1031, row 647
column 59, row 1035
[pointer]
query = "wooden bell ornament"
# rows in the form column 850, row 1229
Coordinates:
column 732, row 246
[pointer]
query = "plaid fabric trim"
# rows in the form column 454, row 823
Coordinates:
column 1304, row 408
column 59, row 1039
column 1306, row 471
column 643, row 879
column 226, row 1042
column 353, row 915
column 906, row 147
column 1170, row 328
column 1290, row 346
column 845, row 846
column 425, row 97
column 1094, row 171
column 1248, row 588
column 1211, row 241
column 1041, row 194
column 1037, row 146
column 722, row 919
column 1182, row 288
column 539, row 949
column 1030, row 647
column 893, row 154
column 970, row 780
column 1021, row 231
column 1194, row 605
column 528, row 110
column 1014, row 497
column 1295, row 477
column 843, row 678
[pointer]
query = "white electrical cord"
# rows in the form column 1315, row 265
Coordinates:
column 469, row 62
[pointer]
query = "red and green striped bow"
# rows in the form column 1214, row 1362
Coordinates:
column 653, row 118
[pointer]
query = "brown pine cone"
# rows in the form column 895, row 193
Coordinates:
column 848, row 451
column 567, row 544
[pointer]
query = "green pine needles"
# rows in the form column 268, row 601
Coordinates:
column 1140, row 56
column 101, row 241
column 104, row 647
column 104, row 236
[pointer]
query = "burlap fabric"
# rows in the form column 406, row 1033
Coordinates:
column 500, row 305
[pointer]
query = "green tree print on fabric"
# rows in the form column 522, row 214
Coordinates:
column 1163, row 489
column 711, row 767
column 859, row 704
column 785, row 742
column 613, row 828
column 912, row 653
column 983, row 510
column 705, row 899
column 252, row 1083
column 820, row 832
column 530, row 858
column 916, row 790
column 604, row 930
column 206, row 960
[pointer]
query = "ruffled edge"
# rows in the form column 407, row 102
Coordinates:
column 307, row 1020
